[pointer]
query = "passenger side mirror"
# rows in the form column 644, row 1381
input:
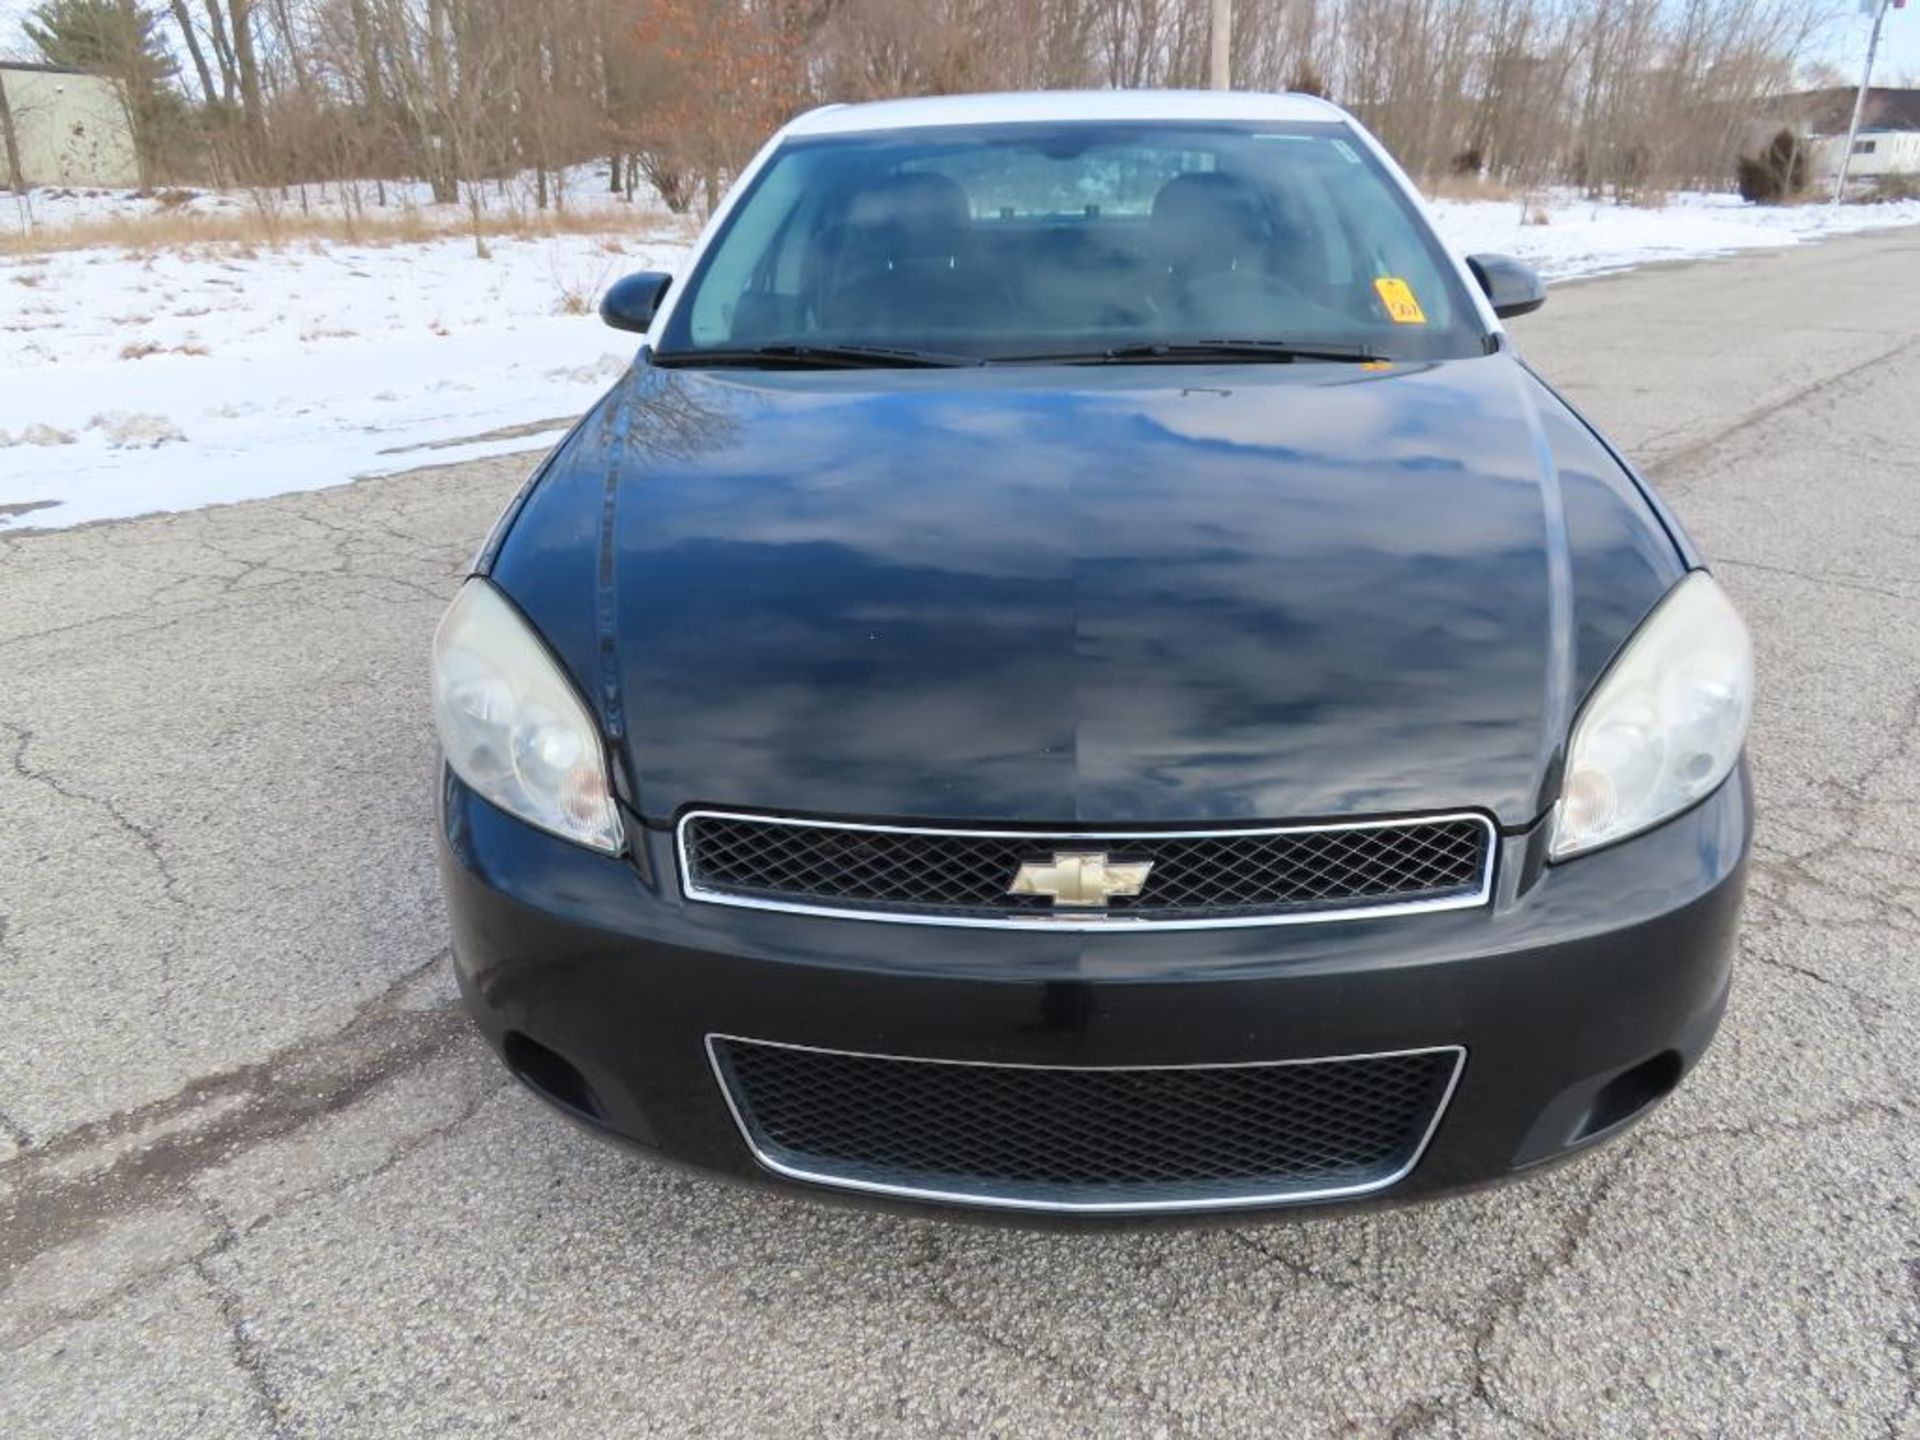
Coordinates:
column 632, row 301
column 1514, row 287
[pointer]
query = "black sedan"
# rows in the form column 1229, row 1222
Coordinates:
column 1079, row 673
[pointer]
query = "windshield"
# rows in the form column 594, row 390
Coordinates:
column 1052, row 240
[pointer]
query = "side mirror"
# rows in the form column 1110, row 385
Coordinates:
column 1515, row 288
column 632, row 301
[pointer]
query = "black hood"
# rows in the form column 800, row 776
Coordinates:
column 1108, row 595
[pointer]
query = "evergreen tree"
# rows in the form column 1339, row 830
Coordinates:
column 117, row 39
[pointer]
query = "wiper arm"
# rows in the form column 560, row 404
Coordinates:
column 1177, row 351
column 823, row 357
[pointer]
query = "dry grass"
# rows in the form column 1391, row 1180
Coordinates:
column 141, row 349
column 1811, row 196
column 578, row 285
column 1468, row 187
column 176, row 227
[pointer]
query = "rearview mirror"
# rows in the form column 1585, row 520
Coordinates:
column 1514, row 287
column 632, row 301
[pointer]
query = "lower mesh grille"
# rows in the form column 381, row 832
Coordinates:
column 1187, row 1137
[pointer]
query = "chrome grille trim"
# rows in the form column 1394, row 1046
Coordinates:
column 985, row 1199
column 1080, row 920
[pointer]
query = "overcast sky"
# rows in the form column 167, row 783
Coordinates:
column 1846, row 45
column 1899, row 46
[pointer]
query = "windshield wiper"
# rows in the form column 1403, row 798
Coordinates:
column 1179, row 351
column 821, row 357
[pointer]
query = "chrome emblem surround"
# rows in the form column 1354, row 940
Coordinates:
column 1081, row 879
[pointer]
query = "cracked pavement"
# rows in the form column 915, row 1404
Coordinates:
column 258, row 1178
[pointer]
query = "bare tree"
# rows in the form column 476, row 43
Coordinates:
column 10, row 141
column 1626, row 99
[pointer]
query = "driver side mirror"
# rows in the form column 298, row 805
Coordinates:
column 1514, row 287
column 632, row 301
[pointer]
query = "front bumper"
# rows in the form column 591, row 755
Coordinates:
column 1580, row 994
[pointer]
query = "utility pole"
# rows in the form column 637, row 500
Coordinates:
column 1221, row 34
column 1860, row 102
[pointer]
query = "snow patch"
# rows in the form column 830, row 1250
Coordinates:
column 136, row 432
column 1565, row 237
column 289, row 370
column 605, row 370
column 578, row 190
column 36, row 434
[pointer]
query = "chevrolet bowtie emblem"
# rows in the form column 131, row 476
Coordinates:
column 1083, row 880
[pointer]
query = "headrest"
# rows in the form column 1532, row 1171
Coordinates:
column 1210, row 211
column 923, row 212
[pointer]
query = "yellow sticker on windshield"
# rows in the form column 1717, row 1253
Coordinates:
column 1397, row 296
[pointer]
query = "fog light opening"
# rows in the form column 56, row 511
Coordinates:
column 550, row 1074
column 1632, row 1091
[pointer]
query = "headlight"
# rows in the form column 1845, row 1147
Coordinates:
column 1664, row 725
column 512, row 726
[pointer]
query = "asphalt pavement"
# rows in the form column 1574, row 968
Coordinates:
column 258, row 1178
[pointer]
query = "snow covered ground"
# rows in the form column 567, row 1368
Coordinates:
column 162, row 382
column 135, row 382
column 580, row 189
column 1584, row 237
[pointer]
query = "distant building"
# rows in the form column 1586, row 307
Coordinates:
column 1889, row 138
column 1875, row 153
column 68, row 128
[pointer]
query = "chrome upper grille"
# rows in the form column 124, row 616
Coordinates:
column 1268, row 875
column 1111, row 1139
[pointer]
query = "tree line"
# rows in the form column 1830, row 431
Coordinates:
column 1627, row 97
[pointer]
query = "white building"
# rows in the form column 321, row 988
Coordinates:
column 68, row 128
column 1889, row 139
column 1875, row 153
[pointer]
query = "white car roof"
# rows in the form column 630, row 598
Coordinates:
column 1062, row 105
